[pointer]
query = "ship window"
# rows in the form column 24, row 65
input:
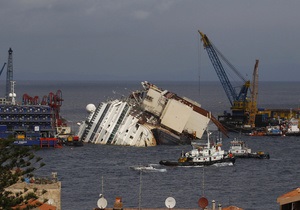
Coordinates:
column 131, row 137
column 148, row 98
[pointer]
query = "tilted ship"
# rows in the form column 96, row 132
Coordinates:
column 147, row 117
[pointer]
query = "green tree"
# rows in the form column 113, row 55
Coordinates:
column 16, row 162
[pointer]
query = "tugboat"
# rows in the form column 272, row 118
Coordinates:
column 205, row 155
column 239, row 149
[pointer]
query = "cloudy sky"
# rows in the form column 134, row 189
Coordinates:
column 148, row 39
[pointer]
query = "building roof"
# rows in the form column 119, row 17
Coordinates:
column 30, row 202
column 289, row 197
column 41, row 206
column 232, row 208
column 46, row 206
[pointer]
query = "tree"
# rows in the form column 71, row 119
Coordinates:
column 16, row 164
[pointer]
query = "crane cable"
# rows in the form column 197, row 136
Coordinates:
column 199, row 64
column 228, row 63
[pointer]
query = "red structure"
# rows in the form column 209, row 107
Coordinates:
column 54, row 101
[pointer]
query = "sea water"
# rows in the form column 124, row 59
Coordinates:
column 86, row 172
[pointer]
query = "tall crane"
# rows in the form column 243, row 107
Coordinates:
column 241, row 105
column 9, row 73
column 254, row 95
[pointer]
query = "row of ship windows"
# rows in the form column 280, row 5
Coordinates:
column 131, row 137
column 29, row 110
column 42, row 126
column 24, row 118
column 26, row 115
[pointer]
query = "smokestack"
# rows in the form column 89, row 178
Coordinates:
column 220, row 207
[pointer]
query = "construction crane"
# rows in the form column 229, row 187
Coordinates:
column 9, row 73
column 241, row 106
column 254, row 95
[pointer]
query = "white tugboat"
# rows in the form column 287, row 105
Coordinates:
column 208, row 154
column 239, row 149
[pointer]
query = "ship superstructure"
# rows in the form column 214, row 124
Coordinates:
column 147, row 117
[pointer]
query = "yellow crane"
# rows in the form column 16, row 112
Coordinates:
column 254, row 95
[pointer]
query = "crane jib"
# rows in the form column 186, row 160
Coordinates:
column 228, row 88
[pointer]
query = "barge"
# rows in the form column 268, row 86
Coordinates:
column 31, row 122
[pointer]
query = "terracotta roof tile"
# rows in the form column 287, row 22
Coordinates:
column 46, row 206
column 289, row 197
column 232, row 208
column 291, row 193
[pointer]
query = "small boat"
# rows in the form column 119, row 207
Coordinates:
column 292, row 128
column 239, row 149
column 72, row 140
column 273, row 131
column 205, row 155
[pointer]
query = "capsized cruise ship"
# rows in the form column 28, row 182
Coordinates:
column 147, row 117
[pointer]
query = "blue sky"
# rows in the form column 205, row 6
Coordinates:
column 148, row 39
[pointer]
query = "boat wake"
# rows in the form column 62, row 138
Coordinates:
column 148, row 168
column 216, row 165
column 223, row 164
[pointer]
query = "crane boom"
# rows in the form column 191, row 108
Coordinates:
column 254, row 94
column 237, row 101
column 2, row 68
column 228, row 88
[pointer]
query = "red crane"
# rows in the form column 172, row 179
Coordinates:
column 55, row 102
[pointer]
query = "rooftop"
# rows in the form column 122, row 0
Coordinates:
column 289, row 197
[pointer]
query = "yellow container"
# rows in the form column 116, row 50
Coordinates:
column 70, row 138
column 20, row 136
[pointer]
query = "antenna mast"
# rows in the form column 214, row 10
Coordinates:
column 102, row 185
column 203, row 182
column 140, row 191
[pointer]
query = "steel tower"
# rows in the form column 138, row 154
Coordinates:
column 9, row 74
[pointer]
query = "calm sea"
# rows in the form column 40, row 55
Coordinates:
column 87, row 171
